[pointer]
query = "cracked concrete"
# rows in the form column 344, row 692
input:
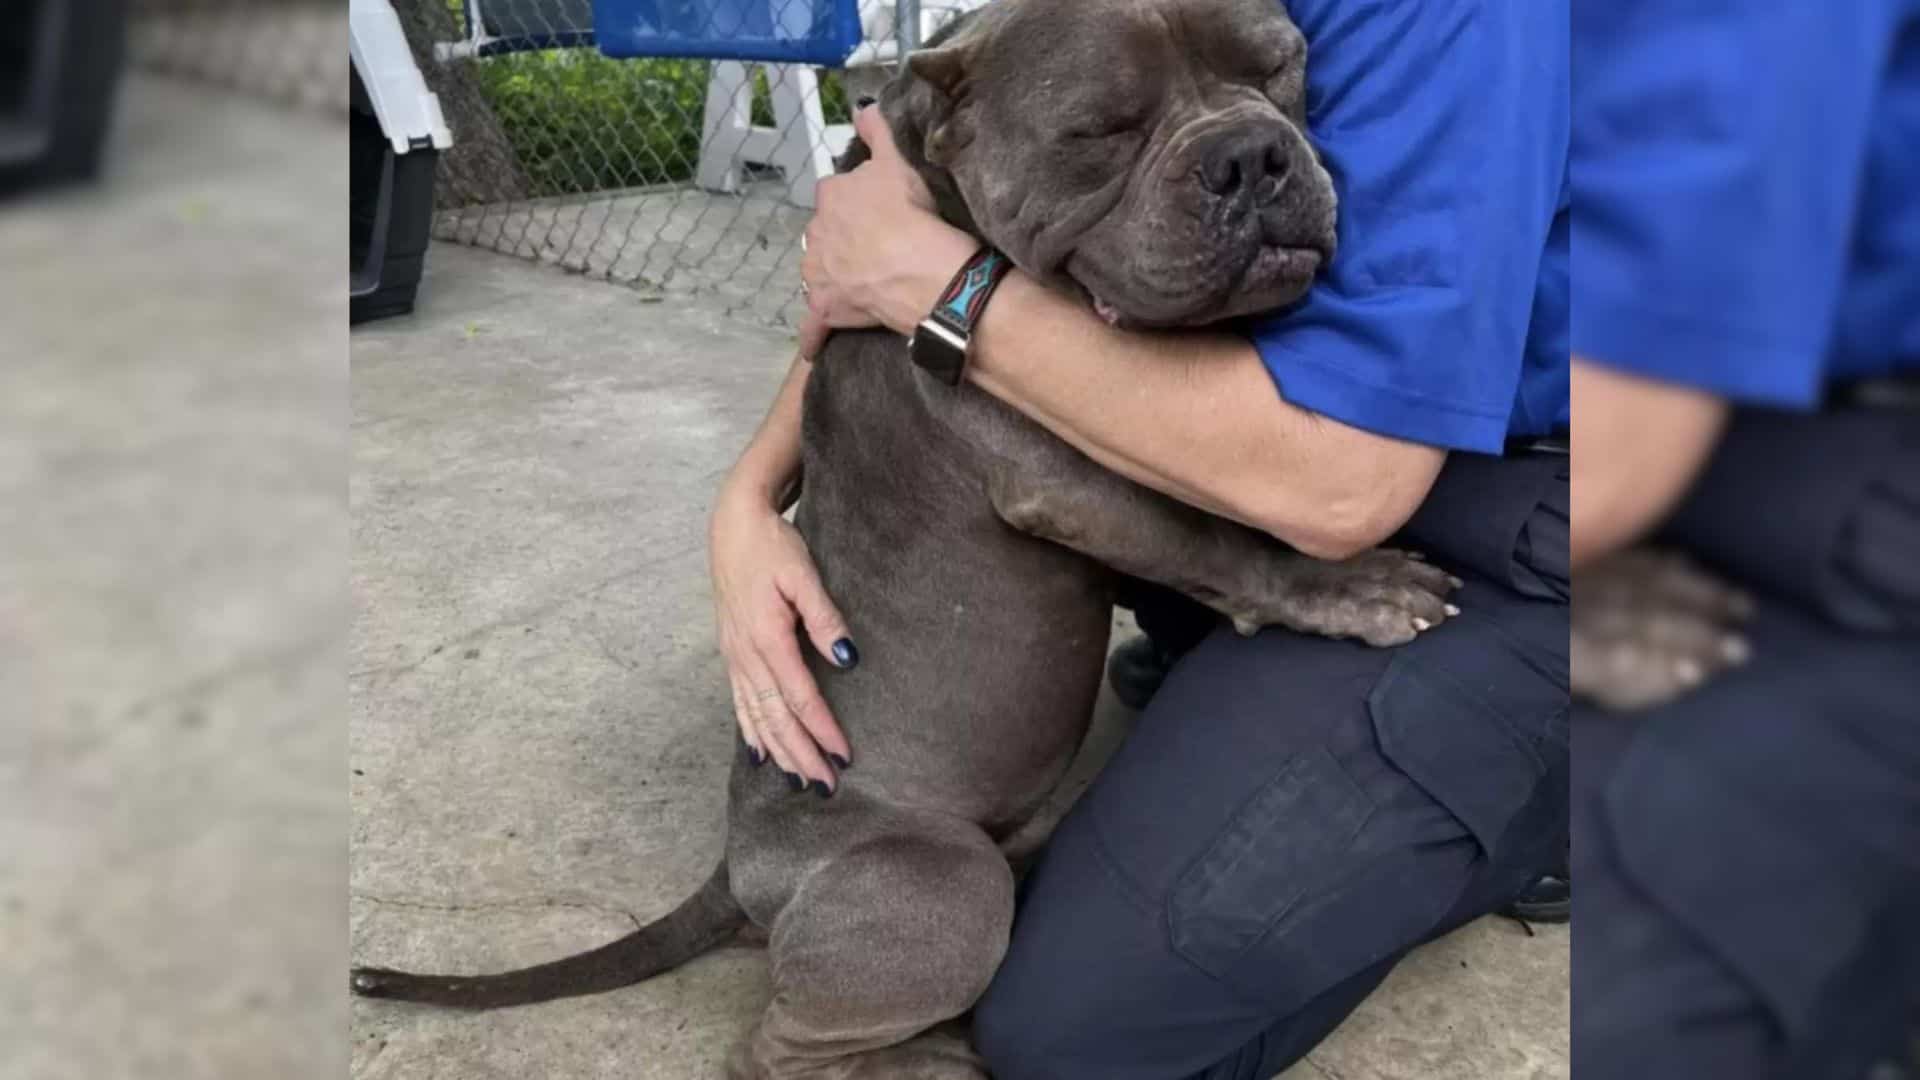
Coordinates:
column 539, row 720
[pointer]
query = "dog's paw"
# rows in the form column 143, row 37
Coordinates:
column 1383, row 597
column 1648, row 626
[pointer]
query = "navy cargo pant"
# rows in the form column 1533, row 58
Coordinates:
column 1292, row 815
column 1746, row 859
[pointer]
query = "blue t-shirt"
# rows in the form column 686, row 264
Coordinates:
column 1747, row 178
column 1443, row 316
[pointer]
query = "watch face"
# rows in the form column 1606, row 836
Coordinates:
column 931, row 348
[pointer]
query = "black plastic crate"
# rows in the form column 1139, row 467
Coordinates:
column 390, row 217
column 60, row 65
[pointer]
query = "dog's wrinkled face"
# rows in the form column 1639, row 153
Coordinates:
column 1146, row 153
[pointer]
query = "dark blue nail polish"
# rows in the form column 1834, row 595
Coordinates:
column 794, row 781
column 839, row 761
column 755, row 756
column 845, row 654
column 821, row 789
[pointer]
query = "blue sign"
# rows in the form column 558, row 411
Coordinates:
column 818, row 32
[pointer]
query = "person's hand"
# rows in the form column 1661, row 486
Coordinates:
column 1648, row 626
column 875, row 254
column 764, row 582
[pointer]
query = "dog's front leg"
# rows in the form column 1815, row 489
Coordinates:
column 1382, row 597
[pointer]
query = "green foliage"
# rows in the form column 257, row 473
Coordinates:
column 581, row 122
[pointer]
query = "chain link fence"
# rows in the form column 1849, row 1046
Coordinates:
column 670, row 175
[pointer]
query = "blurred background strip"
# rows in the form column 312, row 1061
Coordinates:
column 173, row 446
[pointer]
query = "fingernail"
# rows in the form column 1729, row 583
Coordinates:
column 793, row 780
column 1420, row 624
column 839, row 761
column 1451, row 610
column 821, row 789
column 754, row 757
column 863, row 101
column 845, row 654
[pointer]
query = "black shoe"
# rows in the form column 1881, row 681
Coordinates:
column 1548, row 900
column 1135, row 671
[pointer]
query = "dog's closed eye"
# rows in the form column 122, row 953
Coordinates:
column 1101, row 133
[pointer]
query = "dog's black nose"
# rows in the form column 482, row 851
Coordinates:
column 1242, row 160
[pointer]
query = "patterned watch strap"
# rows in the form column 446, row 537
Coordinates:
column 967, row 293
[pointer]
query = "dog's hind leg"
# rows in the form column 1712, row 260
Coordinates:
column 884, row 942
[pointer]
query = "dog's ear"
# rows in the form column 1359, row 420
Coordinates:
column 935, row 91
column 944, row 68
column 925, row 106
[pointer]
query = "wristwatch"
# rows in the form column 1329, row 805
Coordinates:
column 939, row 344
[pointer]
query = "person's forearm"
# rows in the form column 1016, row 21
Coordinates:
column 1197, row 416
column 769, row 468
column 1639, row 443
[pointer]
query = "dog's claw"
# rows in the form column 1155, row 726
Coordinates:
column 1245, row 627
column 1735, row 650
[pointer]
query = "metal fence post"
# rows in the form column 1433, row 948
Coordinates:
column 906, row 24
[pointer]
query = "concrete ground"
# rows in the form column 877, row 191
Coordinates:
column 538, row 719
column 173, row 454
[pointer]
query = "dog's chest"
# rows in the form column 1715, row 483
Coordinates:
column 881, row 434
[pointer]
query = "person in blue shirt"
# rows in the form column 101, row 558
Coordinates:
column 1747, row 372
column 1292, row 814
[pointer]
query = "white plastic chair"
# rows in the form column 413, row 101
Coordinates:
column 800, row 143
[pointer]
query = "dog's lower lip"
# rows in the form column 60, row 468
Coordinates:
column 1270, row 261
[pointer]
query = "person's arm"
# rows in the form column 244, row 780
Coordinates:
column 1638, row 444
column 1197, row 416
column 768, row 471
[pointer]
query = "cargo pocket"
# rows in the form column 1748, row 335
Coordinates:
column 1285, row 838
column 1483, row 766
column 1745, row 875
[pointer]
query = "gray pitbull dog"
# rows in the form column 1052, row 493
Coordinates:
column 1148, row 158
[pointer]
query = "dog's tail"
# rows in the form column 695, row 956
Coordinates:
column 707, row 919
